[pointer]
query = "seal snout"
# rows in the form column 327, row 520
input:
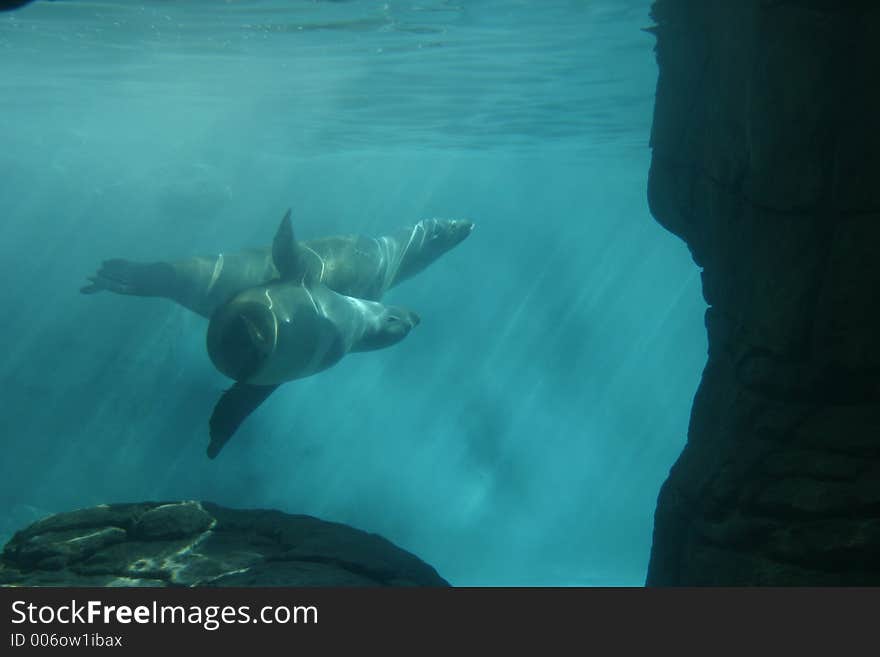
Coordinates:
column 413, row 318
column 400, row 321
column 460, row 229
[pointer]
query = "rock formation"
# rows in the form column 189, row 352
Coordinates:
column 202, row 544
column 766, row 161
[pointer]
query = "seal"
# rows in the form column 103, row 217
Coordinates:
column 352, row 265
column 290, row 328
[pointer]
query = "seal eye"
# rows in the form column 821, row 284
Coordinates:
column 408, row 320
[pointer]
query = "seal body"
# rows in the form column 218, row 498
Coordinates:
column 290, row 328
column 291, row 310
column 352, row 265
column 280, row 332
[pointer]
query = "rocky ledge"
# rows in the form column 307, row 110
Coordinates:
column 201, row 544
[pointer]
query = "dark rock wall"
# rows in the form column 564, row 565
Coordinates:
column 766, row 161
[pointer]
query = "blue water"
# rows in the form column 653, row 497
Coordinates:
column 519, row 435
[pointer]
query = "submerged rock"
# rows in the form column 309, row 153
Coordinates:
column 201, row 544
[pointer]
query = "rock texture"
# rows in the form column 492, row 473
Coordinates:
column 201, row 544
column 766, row 161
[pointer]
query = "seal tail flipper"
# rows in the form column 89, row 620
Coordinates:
column 155, row 279
column 234, row 406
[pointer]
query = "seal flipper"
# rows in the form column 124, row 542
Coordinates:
column 234, row 406
column 289, row 257
column 153, row 279
column 285, row 254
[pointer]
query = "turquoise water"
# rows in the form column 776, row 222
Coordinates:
column 519, row 435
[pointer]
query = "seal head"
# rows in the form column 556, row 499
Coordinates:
column 388, row 327
column 422, row 244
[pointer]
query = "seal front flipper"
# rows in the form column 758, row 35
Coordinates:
column 153, row 279
column 234, row 406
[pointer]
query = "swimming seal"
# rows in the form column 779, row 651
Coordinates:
column 353, row 265
column 289, row 310
column 290, row 328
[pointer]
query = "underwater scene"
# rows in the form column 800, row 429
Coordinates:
column 468, row 335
